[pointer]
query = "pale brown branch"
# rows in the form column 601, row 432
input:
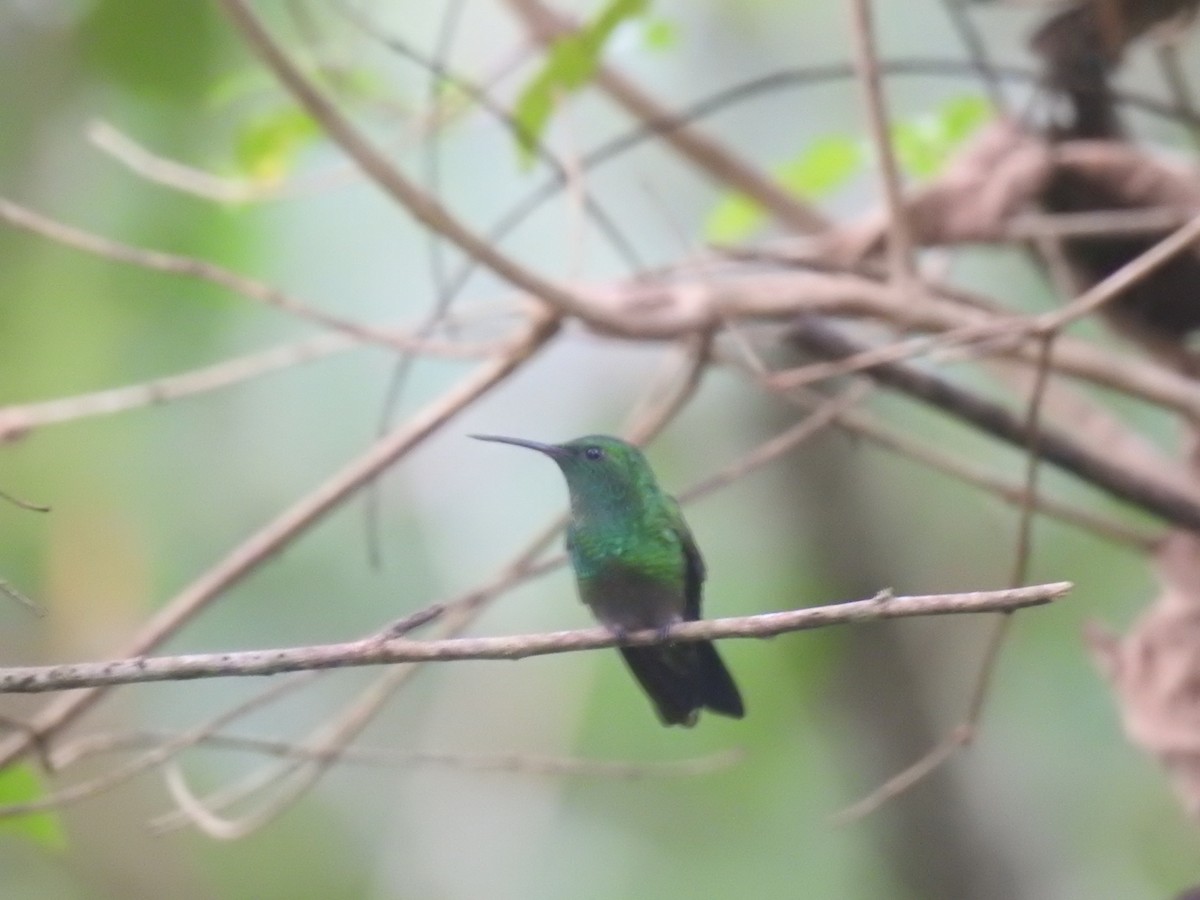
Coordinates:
column 1095, row 223
column 295, row 778
column 145, row 762
column 12, row 593
column 898, row 783
column 1095, row 297
column 371, row 652
column 515, row 763
column 17, row 421
column 965, row 732
column 167, row 749
column 902, row 262
column 1172, row 501
column 18, row 502
column 190, row 267
column 1010, row 492
column 186, row 179
column 828, row 411
column 780, row 296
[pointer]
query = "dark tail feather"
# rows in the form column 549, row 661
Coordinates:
column 720, row 693
column 684, row 678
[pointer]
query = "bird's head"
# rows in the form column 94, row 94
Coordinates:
column 603, row 473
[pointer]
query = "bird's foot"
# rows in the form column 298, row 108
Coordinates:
column 620, row 632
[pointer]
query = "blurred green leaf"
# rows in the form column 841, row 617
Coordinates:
column 267, row 146
column 660, row 33
column 824, row 166
column 733, row 219
column 923, row 145
column 570, row 63
column 918, row 151
column 19, row 784
column 164, row 48
column 821, row 168
column 962, row 116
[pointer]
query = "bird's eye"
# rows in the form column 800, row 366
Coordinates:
column 593, row 453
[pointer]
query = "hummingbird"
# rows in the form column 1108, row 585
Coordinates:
column 637, row 567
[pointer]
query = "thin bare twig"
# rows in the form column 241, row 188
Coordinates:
column 1181, row 91
column 965, row 732
column 164, row 751
column 294, row 778
column 1033, row 457
column 190, row 267
column 36, row 735
column 1128, row 275
column 902, row 263
column 38, row 679
column 515, row 763
column 1157, row 496
column 170, row 173
column 1011, row 492
column 17, row 421
column 17, row 501
column 13, row 594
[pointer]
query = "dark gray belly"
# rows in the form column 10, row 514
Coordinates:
column 625, row 600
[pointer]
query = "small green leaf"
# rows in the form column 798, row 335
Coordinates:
column 267, row 146
column 570, row 64
column 19, row 784
column 822, row 167
column 917, row 149
column 660, row 34
column 924, row 144
column 962, row 116
column 733, row 219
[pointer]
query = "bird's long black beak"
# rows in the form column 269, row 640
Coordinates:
column 552, row 450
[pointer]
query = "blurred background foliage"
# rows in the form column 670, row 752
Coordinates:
column 1050, row 803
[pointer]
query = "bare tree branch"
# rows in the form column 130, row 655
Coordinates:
column 190, row 267
column 1163, row 499
column 373, row 651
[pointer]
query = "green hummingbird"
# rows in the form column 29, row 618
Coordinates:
column 637, row 566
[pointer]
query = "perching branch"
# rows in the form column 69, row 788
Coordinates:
column 375, row 651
